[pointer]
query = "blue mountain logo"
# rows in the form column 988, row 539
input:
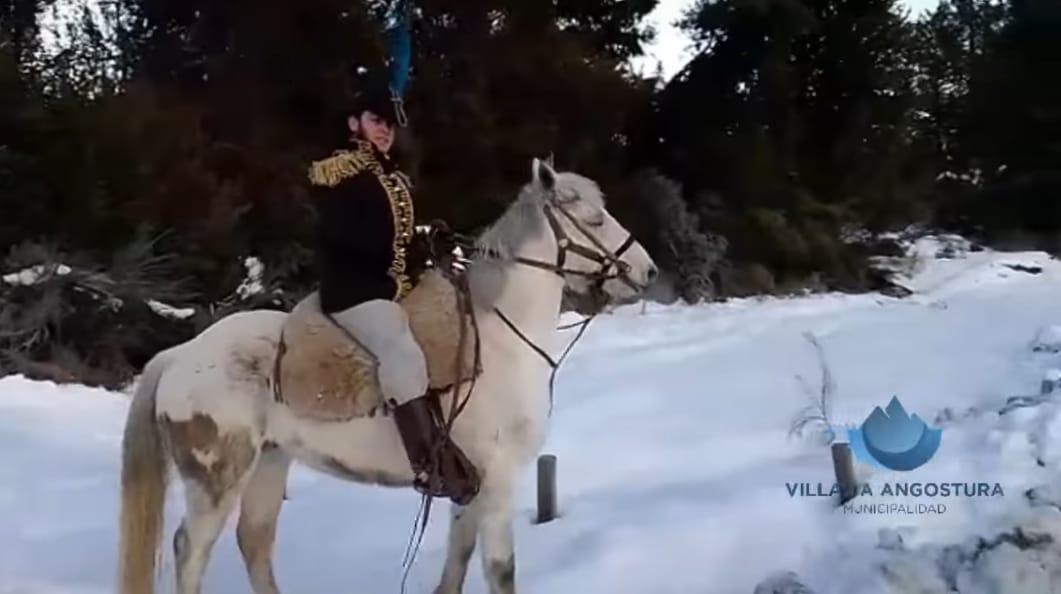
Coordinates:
column 893, row 439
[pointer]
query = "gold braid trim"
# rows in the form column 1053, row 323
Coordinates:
column 402, row 209
column 343, row 164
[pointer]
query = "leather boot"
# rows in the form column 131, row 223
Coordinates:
column 417, row 428
column 440, row 468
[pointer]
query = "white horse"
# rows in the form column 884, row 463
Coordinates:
column 207, row 407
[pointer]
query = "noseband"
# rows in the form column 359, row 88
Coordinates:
column 610, row 266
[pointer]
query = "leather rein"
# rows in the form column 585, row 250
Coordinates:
column 610, row 267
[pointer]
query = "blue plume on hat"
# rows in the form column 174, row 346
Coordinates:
column 399, row 42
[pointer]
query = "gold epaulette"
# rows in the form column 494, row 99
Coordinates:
column 341, row 165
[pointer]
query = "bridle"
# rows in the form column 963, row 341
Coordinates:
column 611, row 267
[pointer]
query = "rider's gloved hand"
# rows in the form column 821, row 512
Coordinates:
column 443, row 238
column 418, row 254
column 445, row 243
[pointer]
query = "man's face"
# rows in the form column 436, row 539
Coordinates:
column 374, row 129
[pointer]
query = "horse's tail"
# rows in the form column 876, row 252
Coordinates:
column 144, row 481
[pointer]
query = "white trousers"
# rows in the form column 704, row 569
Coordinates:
column 382, row 327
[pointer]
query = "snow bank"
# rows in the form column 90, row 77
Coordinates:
column 945, row 263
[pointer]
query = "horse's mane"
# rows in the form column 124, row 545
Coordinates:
column 498, row 244
column 520, row 221
column 523, row 219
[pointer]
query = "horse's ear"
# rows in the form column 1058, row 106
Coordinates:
column 550, row 161
column 543, row 174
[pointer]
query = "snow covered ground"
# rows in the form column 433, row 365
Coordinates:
column 675, row 462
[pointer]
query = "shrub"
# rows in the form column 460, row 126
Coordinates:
column 67, row 318
column 659, row 216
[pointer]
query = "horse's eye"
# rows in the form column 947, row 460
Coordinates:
column 566, row 196
column 596, row 221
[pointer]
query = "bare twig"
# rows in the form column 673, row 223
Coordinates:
column 818, row 411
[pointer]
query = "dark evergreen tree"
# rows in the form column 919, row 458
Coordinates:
column 796, row 116
column 949, row 42
column 1013, row 128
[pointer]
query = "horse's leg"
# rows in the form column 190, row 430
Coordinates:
column 259, row 511
column 214, row 463
column 496, row 513
column 197, row 533
column 463, row 522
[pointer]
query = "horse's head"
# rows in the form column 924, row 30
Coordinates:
column 594, row 252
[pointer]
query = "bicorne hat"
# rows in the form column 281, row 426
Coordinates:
column 377, row 97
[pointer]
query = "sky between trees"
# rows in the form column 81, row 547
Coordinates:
column 670, row 46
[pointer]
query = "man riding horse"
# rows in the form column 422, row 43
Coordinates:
column 367, row 263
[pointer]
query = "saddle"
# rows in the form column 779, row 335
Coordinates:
column 322, row 373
